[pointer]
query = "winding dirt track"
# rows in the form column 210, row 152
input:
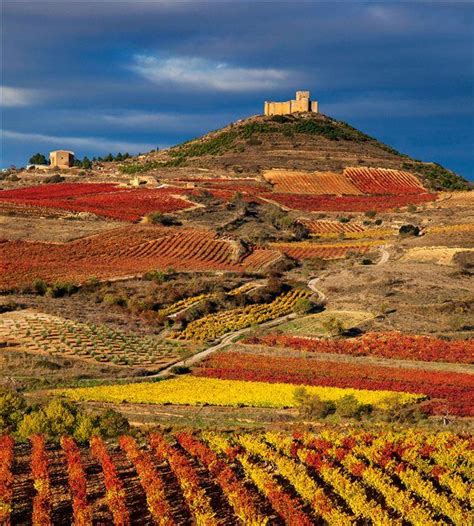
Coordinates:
column 229, row 338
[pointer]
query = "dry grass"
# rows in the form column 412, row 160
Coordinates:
column 438, row 255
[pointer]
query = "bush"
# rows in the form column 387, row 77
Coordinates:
column 112, row 423
column 303, row 306
column 12, row 407
column 370, row 213
column 54, row 179
column 59, row 289
column 157, row 218
column 409, row 230
column 367, row 261
column 40, row 287
column 333, row 326
column 114, row 299
column 180, row 369
column 311, row 405
column 349, row 407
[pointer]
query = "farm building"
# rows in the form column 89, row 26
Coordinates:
column 61, row 158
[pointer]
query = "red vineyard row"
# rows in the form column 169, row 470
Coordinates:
column 101, row 199
column 385, row 345
column 363, row 203
column 383, row 181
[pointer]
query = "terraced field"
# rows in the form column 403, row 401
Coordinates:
column 383, row 181
column 305, row 250
column 316, row 183
column 48, row 335
column 128, row 251
column 104, row 199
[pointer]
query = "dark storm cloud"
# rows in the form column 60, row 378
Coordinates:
column 139, row 73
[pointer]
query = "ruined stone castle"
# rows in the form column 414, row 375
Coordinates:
column 301, row 103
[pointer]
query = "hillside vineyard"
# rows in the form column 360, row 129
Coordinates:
column 270, row 324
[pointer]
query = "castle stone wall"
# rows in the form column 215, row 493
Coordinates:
column 302, row 103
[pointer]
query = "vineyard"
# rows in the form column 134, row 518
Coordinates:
column 385, row 345
column 213, row 326
column 307, row 250
column 383, row 181
column 127, row 251
column 448, row 391
column 361, row 203
column 105, row 200
column 189, row 390
column 335, row 229
column 317, row 183
column 336, row 477
column 55, row 336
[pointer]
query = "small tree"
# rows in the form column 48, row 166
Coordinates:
column 111, row 424
column 409, row 230
column 33, row 424
column 38, row 158
column 12, row 407
column 333, row 326
column 311, row 405
column 302, row 306
column 86, row 163
column 61, row 417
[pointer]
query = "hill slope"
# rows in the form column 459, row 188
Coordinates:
column 305, row 141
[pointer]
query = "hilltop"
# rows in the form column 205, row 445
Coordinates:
column 302, row 141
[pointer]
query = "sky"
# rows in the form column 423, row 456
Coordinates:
column 108, row 76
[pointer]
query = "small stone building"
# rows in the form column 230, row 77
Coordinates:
column 61, row 158
column 302, row 103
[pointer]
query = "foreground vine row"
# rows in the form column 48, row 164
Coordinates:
column 336, row 476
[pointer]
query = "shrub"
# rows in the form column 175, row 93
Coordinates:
column 349, row 407
column 158, row 218
column 114, row 299
column 333, row 326
column 32, row 424
column 409, row 230
column 367, row 261
column 12, row 407
column 180, row 369
column 112, row 424
column 302, row 306
column 370, row 213
column 60, row 416
column 59, row 289
column 311, row 405
column 40, row 287
column 54, row 179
